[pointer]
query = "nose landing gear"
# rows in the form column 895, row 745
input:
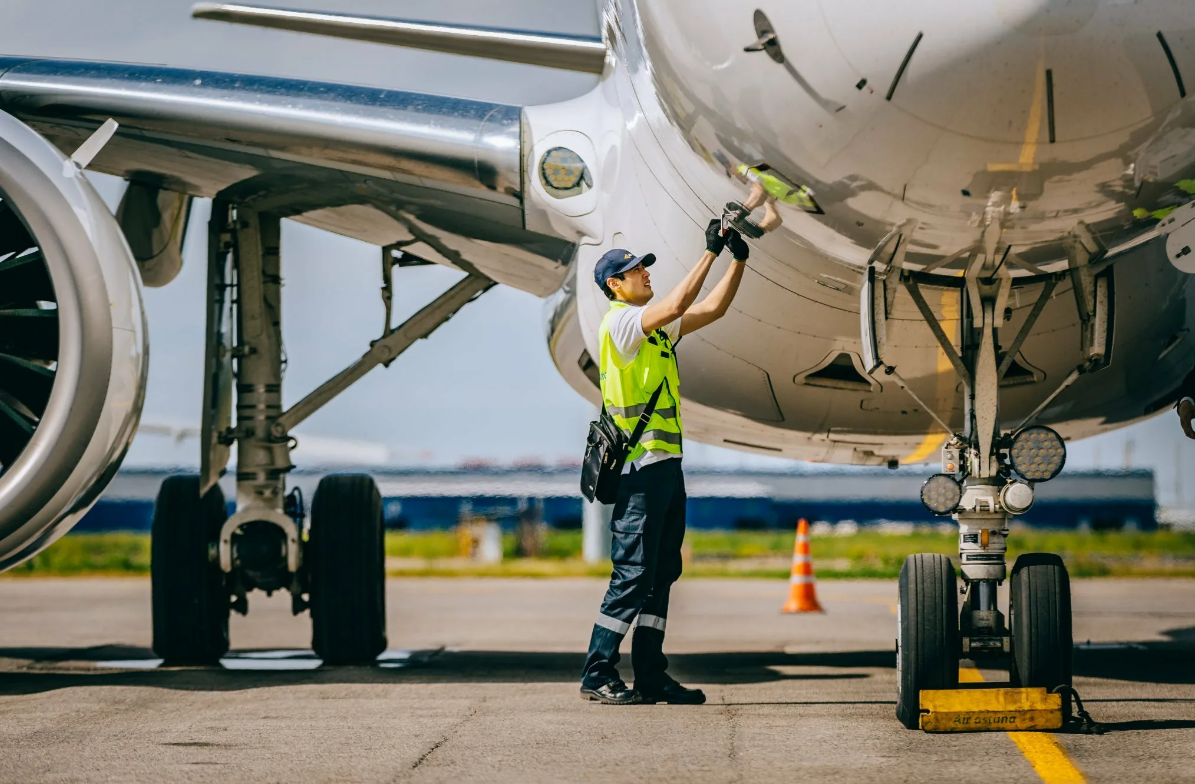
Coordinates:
column 988, row 473
column 1035, row 641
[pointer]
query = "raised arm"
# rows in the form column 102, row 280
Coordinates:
column 1186, row 404
column 718, row 302
column 674, row 305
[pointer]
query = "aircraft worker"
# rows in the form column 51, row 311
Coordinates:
column 637, row 340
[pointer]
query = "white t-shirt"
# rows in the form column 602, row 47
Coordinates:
column 626, row 332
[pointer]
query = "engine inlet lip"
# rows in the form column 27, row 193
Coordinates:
column 53, row 207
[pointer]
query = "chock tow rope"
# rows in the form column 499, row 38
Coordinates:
column 1082, row 721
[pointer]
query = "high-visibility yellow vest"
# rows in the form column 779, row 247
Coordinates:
column 627, row 386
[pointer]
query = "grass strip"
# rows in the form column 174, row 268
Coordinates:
column 867, row 554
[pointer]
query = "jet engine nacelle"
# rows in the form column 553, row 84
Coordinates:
column 73, row 352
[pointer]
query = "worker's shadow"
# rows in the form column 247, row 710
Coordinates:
column 712, row 668
column 48, row 669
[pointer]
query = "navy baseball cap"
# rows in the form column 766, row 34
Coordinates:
column 619, row 260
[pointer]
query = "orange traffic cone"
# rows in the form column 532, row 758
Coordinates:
column 802, row 587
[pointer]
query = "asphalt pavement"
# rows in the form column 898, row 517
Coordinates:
column 480, row 684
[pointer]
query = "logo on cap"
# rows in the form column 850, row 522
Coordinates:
column 627, row 256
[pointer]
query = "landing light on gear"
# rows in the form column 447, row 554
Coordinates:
column 1017, row 497
column 1037, row 453
column 941, row 493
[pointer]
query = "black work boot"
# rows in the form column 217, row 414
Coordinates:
column 665, row 689
column 612, row 693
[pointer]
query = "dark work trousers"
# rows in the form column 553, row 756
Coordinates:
column 648, row 527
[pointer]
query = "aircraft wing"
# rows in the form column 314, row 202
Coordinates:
column 441, row 178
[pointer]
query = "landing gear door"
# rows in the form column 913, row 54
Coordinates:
column 1103, row 320
column 214, row 450
column 871, row 320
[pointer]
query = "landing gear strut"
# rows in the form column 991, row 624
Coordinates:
column 988, row 472
column 204, row 562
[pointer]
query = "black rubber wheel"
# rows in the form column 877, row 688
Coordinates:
column 1040, row 621
column 346, row 571
column 927, row 648
column 190, row 603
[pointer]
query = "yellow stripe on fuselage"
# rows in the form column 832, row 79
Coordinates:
column 1028, row 157
column 1033, row 126
column 946, row 383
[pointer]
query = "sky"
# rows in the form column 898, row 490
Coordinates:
column 445, row 401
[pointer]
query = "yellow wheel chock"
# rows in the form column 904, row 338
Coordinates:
column 987, row 709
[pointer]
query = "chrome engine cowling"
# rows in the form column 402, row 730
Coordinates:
column 73, row 351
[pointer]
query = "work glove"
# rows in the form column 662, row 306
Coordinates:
column 738, row 245
column 714, row 241
column 1186, row 412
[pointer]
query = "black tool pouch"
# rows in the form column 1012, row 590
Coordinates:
column 606, row 452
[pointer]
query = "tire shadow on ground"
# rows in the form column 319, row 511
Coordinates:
column 35, row 670
column 48, row 669
column 1147, row 725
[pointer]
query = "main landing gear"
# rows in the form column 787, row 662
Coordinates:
column 206, row 561
column 988, row 473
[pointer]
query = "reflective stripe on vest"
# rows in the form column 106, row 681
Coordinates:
column 634, row 412
column 626, row 388
column 662, row 436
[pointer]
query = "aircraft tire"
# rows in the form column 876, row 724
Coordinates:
column 345, row 559
column 927, row 648
column 1040, row 622
column 190, row 603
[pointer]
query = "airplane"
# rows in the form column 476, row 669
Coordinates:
column 970, row 228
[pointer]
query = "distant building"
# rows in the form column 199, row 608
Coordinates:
column 421, row 500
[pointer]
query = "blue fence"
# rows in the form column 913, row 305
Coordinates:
column 443, row 512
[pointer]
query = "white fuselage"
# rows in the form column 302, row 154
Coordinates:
column 1035, row 115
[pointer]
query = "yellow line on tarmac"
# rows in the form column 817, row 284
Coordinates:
column 969, row 675
column 1042, row 749
column 1048, row 758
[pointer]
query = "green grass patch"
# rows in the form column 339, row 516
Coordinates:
column 868, row 554
column 91, row 554
column 557, row 545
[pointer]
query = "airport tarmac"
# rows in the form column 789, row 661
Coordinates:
column 481, row 685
